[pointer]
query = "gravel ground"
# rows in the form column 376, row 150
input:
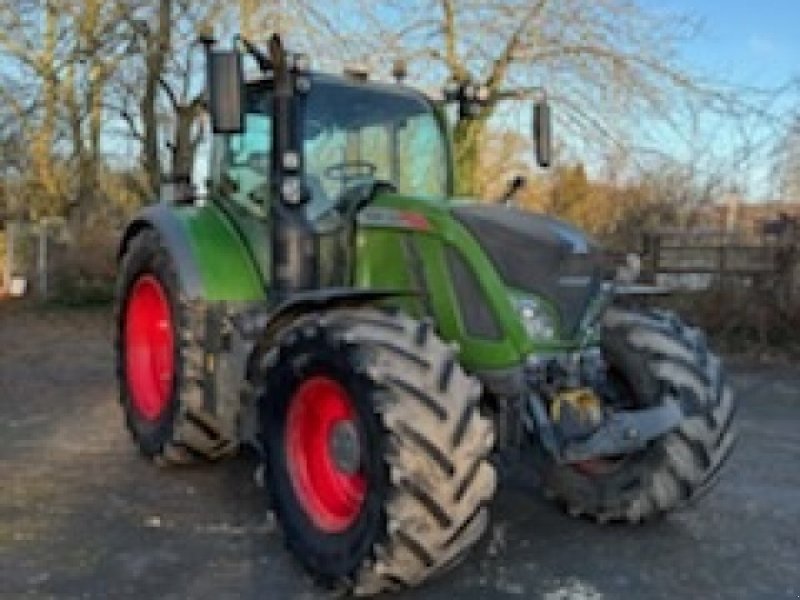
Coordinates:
column 83, row 516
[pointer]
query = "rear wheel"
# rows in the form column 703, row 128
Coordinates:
column 376, row 452
column 654, row 356
column 160, row 360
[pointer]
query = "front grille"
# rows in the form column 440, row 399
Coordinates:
column 539, row 255
column 476, row 314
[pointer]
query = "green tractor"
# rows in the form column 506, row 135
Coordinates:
column 381, row 344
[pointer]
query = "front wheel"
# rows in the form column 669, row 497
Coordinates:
column 376, row 452
column 653, row 356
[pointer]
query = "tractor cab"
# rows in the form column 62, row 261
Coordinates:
column 354, row 134
column 308, row 152
column 352, row 140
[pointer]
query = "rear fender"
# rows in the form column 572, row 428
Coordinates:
column 216, row 272
column 171, row 231
column 211, row 258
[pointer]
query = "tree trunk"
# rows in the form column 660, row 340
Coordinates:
column 79, row 158
column 90, row 158
column 184, row 144
column 158, row 46
column 44, row 138
column 467, row 138
column 84, row 104
column 151, row 139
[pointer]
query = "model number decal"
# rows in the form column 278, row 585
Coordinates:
column 393, row 218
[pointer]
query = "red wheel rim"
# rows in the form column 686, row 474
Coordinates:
column 149, row 348
column 330, row 494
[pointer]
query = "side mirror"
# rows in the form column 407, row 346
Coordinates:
column 542, row 133
column 225, row 87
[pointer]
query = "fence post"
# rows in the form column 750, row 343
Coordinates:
column 42, row 261
column 654, row 241
column 11, row 234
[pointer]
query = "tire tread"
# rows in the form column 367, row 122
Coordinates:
column 684, row 464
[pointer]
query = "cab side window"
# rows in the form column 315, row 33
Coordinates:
column 246, row 164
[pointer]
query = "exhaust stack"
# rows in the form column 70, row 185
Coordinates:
column 294, row 245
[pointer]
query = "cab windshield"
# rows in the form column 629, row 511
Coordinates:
column 353, row 133
column 356, row 132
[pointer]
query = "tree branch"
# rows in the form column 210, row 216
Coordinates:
column 457, row 69
column 503, row 62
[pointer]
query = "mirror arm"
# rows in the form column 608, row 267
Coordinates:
column 263, row 60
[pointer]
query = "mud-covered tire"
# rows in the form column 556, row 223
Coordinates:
column 424, row 448
column 658, row 357
column 185, row 430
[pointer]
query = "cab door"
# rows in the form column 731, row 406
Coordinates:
column 241, row 187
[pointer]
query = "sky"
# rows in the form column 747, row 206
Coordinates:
column 744, row 42
column 748, row 42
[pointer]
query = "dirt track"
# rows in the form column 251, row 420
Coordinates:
column 83, row 516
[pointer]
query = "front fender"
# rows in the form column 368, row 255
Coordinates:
column 266, row 325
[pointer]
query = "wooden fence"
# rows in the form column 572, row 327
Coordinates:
column 752, row 280
column 708, row 256
column 33, row 253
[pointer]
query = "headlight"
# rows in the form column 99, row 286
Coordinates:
column 538, row 320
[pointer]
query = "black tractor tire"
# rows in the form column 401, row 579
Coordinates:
column 657, row 357
column 424, row 448
column 184, row 430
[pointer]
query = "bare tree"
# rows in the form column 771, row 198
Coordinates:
column 159, row 95
column 610, row 66
column 30, row 34
column 98, row 47
column 77, row 73
column 788, row 162
column 61, row 55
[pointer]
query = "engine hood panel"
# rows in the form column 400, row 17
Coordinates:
column 539, row 255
